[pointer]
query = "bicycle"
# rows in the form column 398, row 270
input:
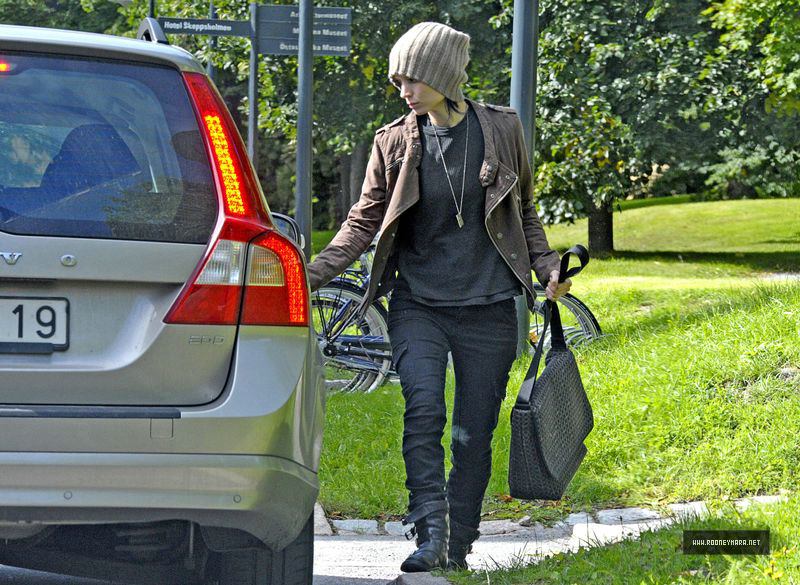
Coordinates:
column 357, row 352
column 356, row 349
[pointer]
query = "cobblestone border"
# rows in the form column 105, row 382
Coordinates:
column 574, row 523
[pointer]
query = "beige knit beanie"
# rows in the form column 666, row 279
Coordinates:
column 433, row 53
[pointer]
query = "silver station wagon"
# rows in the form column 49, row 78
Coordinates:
column 161, row 400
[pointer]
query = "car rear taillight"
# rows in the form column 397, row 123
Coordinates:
column 276, row 292
column 247, row 259
column 233, row 174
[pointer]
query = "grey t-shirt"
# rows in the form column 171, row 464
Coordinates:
column 438, row 262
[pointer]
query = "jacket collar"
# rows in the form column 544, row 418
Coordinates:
column 488, row 170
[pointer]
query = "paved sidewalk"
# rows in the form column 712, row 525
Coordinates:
column 362, row 552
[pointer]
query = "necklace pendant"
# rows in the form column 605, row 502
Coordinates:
column 460, row 220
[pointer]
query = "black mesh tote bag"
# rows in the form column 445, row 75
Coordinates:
column 552, row 415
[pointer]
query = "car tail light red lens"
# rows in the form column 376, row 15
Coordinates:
column 232, row 171
column 276, row 292
column 247, row 259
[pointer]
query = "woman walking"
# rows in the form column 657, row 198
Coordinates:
column 448, row 187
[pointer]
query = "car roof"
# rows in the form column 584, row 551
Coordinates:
column 68, row 42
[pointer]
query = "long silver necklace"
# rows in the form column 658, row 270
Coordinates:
column 459, row 204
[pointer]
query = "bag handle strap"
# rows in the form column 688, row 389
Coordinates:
column 583, row 256
column 552, row 319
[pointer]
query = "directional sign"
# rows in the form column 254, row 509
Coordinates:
column 278, row 30
column 322, row 14
column 205, row 26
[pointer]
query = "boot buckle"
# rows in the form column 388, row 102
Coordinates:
column 411, row 532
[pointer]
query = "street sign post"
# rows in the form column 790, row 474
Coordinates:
column 212, row 14
column 524, row 51
column 305, row 98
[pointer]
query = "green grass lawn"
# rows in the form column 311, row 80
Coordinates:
column 707, row 239
column 656, row 557
column 694, row 386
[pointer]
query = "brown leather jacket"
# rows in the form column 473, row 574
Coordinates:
column 391, row 187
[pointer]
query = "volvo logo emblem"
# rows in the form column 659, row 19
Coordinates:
column 11, row 257
column 69, row 260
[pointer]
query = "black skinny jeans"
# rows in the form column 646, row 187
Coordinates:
column 483, row 342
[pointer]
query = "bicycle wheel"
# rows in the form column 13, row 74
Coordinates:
column 357, row 353
column 580, row 324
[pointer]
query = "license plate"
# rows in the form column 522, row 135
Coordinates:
column 33, row 324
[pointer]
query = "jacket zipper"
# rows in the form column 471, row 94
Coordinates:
column 499, row 199
column 497, row 247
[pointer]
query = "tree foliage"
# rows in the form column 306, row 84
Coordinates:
column 647, row 98
column 756, row 63
column 68, row 14
column 772, row 27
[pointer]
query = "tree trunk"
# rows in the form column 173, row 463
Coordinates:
column 601, row 230
column 358, row 169
column 343, row 195
column 738, row 190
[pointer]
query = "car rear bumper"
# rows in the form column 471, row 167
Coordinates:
column 269, row 497
column 245, row 461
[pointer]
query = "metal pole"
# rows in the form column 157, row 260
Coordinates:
column 524, row 49
column 151, row 12
column 212, row 14
column 252, row 86
column 305, row 74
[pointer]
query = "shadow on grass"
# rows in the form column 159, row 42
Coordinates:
column 791, row 240
column 688, row 315
column 758, row 261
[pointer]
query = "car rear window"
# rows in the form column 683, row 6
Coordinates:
column 101, row 149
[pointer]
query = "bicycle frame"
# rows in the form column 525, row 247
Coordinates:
column 362, row 351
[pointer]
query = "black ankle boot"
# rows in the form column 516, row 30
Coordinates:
column 460, row 545
column 432, row 532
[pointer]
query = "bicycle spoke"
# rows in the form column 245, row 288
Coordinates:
column 323, row 320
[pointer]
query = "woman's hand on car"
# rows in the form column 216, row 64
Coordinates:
column 554, row 288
